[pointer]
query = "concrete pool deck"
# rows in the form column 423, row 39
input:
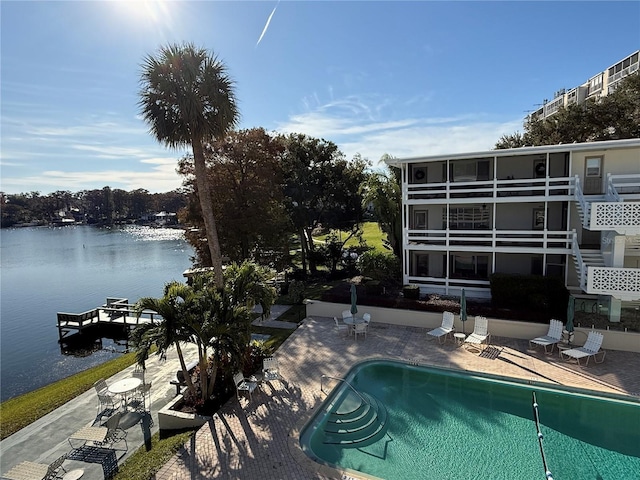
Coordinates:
column 259, row 439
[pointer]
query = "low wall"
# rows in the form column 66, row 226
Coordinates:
column 613, row 340
column 169, row 419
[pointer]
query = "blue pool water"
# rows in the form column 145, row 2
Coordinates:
column 437, row 423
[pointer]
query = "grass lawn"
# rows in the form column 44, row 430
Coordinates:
column 143, row 464
column 372, row 235
column 19, row 412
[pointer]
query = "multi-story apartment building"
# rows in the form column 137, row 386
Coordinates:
column 572, row 211
column 596, row 87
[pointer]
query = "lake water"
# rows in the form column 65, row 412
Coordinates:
column 73, row 269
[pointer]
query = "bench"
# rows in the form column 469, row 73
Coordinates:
column 179, row 380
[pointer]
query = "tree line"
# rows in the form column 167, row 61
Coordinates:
column 105, row 206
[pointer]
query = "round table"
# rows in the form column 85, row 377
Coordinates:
column 459, row 337
column 123, row 387
column 353, row 320
column 73, row 474
column 564, row 346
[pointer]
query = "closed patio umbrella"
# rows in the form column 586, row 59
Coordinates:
column 354, row 299
column 570, row 314
column 463, row 309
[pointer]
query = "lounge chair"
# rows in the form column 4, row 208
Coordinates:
column 480, row 335
column 244, row 385
column 270, row 369
column 445, row 329
column 590, row 349
column 341, row 326
column 553, row 336
column 115, row 434
column 37, row 470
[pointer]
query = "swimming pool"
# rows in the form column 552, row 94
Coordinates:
column 405, row 421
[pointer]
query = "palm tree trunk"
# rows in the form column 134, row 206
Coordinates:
column 185, row 372
column 206, row 205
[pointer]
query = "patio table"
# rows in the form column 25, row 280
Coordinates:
column 123, row 387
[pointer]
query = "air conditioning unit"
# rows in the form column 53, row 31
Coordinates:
column 419, row 175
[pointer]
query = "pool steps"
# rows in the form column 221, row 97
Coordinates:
column 357, row 421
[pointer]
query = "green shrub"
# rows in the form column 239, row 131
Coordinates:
column 379, row 266
column 411, row 292
column 296, row 292
column 537, row 293
column 374, row 287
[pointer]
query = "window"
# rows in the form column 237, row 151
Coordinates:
column 420, row 219
column 538, row 218
column 593, row 166
column 470, row 170
column 464, row 171
column 422, row 265
column 468, row 218
column 470, row 266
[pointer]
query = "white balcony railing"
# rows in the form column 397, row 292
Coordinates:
column 623, row 217
column 522, row 187
column 514, row 240
column 621, row 283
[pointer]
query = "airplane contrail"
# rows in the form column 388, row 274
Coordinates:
column 266, row 26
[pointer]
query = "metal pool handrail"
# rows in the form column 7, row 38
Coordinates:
column 536, row 418
column 344, row 381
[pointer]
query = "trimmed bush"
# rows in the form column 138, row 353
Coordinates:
column 373, row 287
column 546, row 295
column 379, row 266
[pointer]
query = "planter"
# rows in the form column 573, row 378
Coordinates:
column 170, row 419
column 411, row 292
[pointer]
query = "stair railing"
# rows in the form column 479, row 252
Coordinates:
column 582, row 268
column 612, row 194
column 345, row 382
column 585, row 206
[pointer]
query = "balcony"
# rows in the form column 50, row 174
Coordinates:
column 495, row 188
column 621, row 283
column 515, row 241
column 623, row 217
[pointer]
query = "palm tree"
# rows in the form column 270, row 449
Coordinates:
column 383, row 191
column 187, row 98
column 173, row 307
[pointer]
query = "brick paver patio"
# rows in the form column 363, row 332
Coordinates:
column 258, row 439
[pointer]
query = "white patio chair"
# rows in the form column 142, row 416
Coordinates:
column 244, row 385
column 367, row 318
column 553, row 336
column 271, row 369
column 105, row 397
column 341, row 327
column 143, row 390
column 480, row 335
column 346, row 314
column 360, row 329
column 590, row 349
column 445, row 329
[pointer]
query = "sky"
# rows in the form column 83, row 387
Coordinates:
column 374, row 77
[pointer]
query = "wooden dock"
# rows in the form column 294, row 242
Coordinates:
column 115, row 312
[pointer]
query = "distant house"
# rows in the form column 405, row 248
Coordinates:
column 571, row 211
column 165, row 219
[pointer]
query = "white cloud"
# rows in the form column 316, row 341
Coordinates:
column 357, row 127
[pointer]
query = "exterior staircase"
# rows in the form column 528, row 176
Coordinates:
column 590, row 258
